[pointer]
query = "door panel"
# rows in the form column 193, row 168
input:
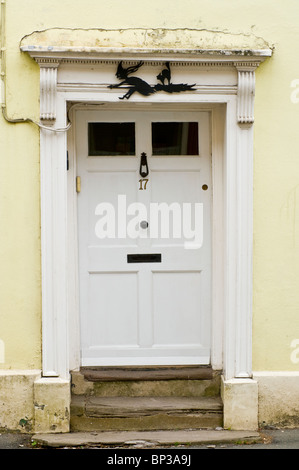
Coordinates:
column 103, row 190
column 144, row 312
column 106, row 323
column 174, row 324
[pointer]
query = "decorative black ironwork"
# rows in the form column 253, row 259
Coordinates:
column 165, row 74
column 136, row 84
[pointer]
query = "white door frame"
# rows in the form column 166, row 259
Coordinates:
column 66, row 78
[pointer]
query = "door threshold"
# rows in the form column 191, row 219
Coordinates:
column 107, row 374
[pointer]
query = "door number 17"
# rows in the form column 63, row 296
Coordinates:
column 142, row 183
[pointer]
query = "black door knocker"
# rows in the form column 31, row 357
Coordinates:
column 143, row 164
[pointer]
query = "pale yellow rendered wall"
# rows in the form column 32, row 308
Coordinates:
column 276, row 164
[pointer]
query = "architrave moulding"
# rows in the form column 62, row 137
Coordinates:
column 232, row 134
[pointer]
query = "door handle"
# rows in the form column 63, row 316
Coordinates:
column 143, row 164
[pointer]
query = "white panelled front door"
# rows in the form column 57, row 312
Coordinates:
column 144, row 211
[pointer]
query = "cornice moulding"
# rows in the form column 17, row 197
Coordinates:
column 207, row 57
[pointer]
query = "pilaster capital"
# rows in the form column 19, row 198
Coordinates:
column 48, row 91
column 246, row 92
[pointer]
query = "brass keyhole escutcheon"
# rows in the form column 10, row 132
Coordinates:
column 205, row 187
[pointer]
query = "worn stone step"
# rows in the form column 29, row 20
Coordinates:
column 113, row 383
column 144, row 413
column 147, row 373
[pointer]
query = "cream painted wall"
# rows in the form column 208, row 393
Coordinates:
column 276, row 165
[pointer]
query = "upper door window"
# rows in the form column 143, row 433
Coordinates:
column 111, row 138
column 175, row 138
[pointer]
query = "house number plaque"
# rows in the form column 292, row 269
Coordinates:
column 143, row 183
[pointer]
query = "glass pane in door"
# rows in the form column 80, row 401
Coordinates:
column 111, row 138
column 175, row 138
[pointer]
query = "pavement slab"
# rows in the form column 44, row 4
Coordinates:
column 146, row 439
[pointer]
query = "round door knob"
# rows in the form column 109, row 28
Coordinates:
column 205, row 187
column 143, row 224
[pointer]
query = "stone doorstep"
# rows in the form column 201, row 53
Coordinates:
column 144, row 413
column 145, row 383
column 130, row 406
column 146, row 439
column 126, row 373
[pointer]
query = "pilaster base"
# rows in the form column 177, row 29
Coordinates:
column 240, row 404
column 52, row 405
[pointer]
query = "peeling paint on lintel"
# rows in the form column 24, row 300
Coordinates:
column 176, row 42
